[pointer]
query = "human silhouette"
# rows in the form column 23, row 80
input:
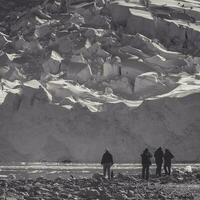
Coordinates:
column 158, row 155
column 107, row 162
column 168, row 156
column 146, row 162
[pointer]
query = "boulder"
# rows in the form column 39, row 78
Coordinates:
column 26, row 95
column 53, row 64
column 4, row 70
column 97, row 176
column 188, row 169
column 77, row 59
column 77, row 19
column 32, row 47
column 121, row 85
column 84, row 75
column 21, row 44
column 150, row 84
column 111, row 69
column 191, row 66
column 13, row 100
column 99, row 21
column 51, row 7
column 42, row 31
column 3, row 40
column 14, row 73
column 108, row 91
column 77, row 69
column 100, row 3
column 119, row 14
column 94, row 51
column 91, row 34
column 65, row 45
column 138, row 17
column 4, row 59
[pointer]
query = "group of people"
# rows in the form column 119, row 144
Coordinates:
column 160, row 157
column 146, row 156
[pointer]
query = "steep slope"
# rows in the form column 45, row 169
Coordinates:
column 49, row 132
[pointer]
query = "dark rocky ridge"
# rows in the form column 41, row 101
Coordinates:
column 121, row 187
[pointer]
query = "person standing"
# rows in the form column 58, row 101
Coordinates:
column 158, row 155
column 107, row 162
column 146, row 162
column 168, row 156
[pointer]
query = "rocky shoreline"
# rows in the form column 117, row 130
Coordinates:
column 181, row 185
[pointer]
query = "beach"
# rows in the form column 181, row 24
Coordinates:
column 85, row 181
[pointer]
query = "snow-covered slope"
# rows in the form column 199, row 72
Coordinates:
column 44, row 131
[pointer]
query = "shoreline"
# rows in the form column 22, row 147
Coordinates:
column 121, row 187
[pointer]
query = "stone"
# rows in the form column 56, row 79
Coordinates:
column 188, row 169
column 21, row 44
column 53, row 64
column 198, row 176
column 65, row 45
column 32, row 47
column 149, row 84
column 97, row 176
column 111, row 68
column 121, row 85
column 91, row 34
column 99, row 21
column 100, row 3
column 77, row 19
column 84, row 75
column 4, row 59
column 42, row 31
column 3, row 40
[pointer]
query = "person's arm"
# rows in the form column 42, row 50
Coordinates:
column 172, row 156
column 112, row 160
column 102, row 160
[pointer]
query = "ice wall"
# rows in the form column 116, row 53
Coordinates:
column 49, row 132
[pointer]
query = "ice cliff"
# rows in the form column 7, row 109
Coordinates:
column 75, row 83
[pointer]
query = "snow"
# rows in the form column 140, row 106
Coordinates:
column 188, row 85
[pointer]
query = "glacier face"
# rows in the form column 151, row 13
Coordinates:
column 57, row 117
column 49, row 132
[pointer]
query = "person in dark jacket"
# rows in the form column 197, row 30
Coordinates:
column 107, row 162
column 168, row 156
column 146, row 162
column 158, row 155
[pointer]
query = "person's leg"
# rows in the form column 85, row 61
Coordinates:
column 169, row 169
column 159, row 169
column 168, row 172
column 147, row 172
column 143, row 171
column 104, row 170
column 108, row 168
column 165, row 168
